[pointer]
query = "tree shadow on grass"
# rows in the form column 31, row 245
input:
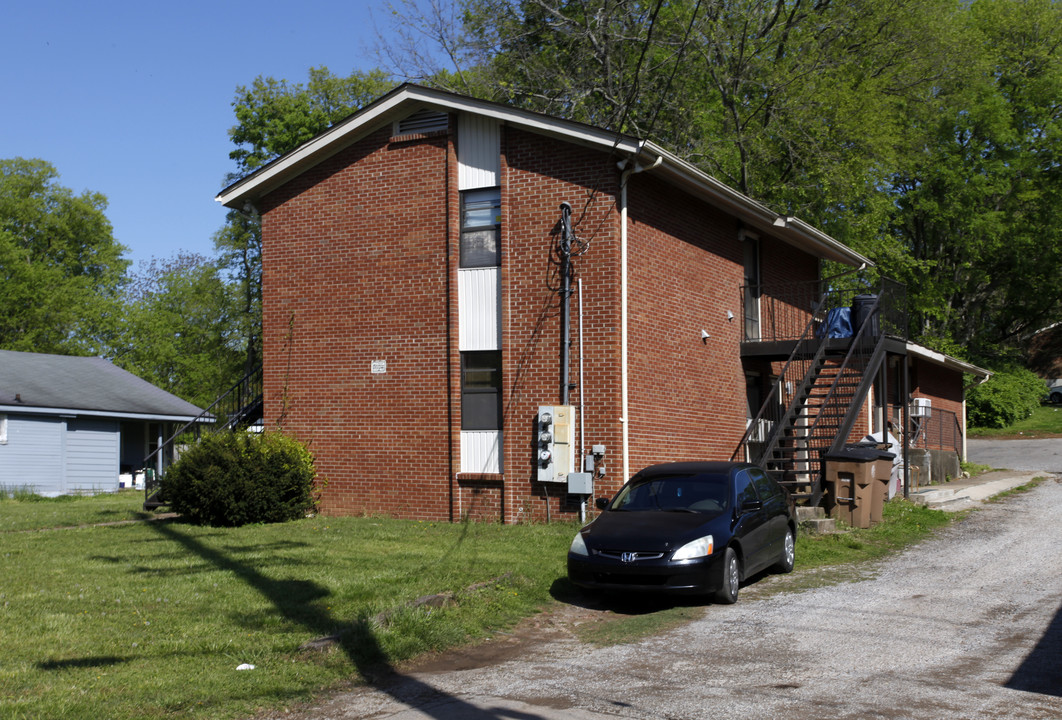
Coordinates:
column 293, row 600
column 84, row 662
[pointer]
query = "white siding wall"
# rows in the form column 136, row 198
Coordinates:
column 478, row 152
column 481, row 451
column 479, row 318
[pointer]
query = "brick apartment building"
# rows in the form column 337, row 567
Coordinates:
column 414, row 261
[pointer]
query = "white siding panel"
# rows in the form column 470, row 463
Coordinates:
column 32, row 457
column 481, row 451
column 92, row 451
column 478, row 152
column 479, row 306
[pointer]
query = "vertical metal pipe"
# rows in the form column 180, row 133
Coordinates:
column 582, row 427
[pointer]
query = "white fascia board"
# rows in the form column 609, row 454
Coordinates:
column 831, row 247
column 790, row 229
column 939, row 358
column 701, row 184
column 406, row 99
column 71, row 412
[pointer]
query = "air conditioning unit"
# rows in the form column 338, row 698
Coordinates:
column 921, row 407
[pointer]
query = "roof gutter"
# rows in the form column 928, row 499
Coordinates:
column 74, row 412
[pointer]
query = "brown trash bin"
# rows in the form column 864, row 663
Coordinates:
column 883, row 460
column 850, row 492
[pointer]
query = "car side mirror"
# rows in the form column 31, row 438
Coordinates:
column 601, row 503
column 751, row 506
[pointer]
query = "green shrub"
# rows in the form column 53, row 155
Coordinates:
column 236, row 478
column 1007, row 397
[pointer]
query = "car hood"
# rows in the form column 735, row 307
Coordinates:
column 657, row 531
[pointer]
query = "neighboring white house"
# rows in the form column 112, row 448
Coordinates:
column 78, row 424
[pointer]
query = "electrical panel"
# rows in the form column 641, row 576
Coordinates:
column 556, row 451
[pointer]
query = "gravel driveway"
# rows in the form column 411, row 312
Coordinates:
column 967, row 625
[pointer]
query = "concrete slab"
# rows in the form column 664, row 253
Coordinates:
column 958, row 494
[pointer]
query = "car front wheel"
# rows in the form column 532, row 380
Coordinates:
column 788, row 559
column 728, row 593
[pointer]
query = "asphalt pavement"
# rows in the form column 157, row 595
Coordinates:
column 1031, row 455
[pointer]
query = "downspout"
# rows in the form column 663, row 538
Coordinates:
column 625, row 174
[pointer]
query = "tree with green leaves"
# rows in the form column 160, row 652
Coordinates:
column 923, row 133
column 61, row 269
column 979, row 199
column 182, row 329
column 275, row 116
column 239, row 255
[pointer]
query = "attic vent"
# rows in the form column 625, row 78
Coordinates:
column 422, row 121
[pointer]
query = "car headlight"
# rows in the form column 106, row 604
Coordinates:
column 578, row 546
column 701, row 547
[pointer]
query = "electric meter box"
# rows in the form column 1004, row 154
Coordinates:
column 555, row 439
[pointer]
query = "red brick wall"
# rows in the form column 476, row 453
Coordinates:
column 687, row 396
column 355, row 269
column 359, row 264
column 943, row 386
column 540, row 174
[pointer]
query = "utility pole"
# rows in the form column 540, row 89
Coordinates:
column 566, row 239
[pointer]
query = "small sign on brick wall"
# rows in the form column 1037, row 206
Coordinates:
column 378, row 367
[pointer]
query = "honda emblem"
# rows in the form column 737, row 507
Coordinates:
column 628, row 557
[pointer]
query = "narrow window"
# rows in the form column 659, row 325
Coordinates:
column 480, row 227
column 481, row 407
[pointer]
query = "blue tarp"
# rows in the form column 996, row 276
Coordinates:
column 838, row 324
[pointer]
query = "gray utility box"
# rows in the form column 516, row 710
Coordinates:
column 580, row 483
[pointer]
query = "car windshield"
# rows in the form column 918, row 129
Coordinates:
column 679, row 493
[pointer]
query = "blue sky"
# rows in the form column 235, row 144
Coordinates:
column 134, row 99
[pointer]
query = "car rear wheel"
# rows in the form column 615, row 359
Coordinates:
column 788, row 560
column 1056, row 398
column 728, row 593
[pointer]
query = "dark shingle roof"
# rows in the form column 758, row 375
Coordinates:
column 89, row 384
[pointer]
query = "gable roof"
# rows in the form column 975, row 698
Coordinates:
column 644, row 154
column 54, row 384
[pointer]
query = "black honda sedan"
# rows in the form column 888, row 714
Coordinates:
column 690, row 527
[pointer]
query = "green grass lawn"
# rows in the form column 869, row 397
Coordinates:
column 32, row 512
column 152, row 619
column 1046, row 421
